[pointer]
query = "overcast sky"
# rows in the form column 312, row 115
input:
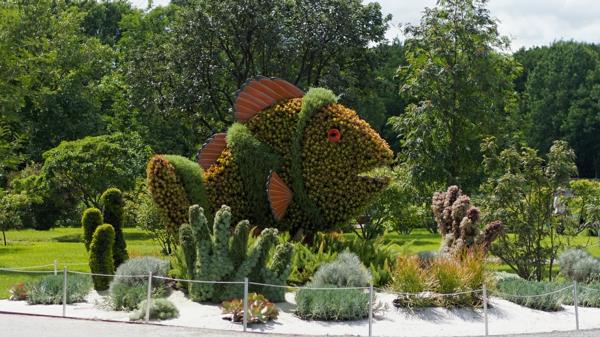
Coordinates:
column 527, row 22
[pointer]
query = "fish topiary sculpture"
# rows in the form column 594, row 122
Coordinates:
column 291, row 160
column 220, row 255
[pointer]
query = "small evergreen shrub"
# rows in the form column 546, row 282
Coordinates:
column 91, row 219
column 160, row 309
column 113, row 203
column 587, row 296
column 513, row 290
column 578, row 265
column 49, row 289
column 127, row 292
column 101, row 256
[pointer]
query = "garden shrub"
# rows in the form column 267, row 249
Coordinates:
column 127, row 292
column 153, row 221
column 336, row 304
column 345, row 271
column 91, row 219
column 578, row 265
column 101, row 256
column 160, row 309
column 587, row 296
column 49, row 289
column 113, row 203
column 306, row 262
column 409, row 277
column 260, row 310
column 436, row 282
column 512, row 289
column 220, row 255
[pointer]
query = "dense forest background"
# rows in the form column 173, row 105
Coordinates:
column 163, row 80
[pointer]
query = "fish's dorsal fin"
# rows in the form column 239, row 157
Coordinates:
column 279, row 194
column 211, row 150
column 260, row 93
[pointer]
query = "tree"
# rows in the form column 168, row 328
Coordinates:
column 89, row 166
column 11, row 211
column 461, row 86
column 519, row 191
column 560, row 96
column 53, row 71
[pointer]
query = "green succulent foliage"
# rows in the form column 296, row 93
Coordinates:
column 160, row 309
column 91, row 219
column 112, row 204
column 219, row 255
column 101, row 255
column 260, row 310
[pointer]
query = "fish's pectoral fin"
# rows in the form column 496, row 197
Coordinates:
column 211, row 150
column 279, row 194
column 261, row 92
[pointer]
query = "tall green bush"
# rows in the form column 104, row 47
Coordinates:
column 218, row 255
column 91, row 219
column 101, row 255
column 112, row 204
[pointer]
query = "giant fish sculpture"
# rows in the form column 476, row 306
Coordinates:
column 292, row 160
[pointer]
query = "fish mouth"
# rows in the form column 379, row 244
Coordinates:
column 376, row 178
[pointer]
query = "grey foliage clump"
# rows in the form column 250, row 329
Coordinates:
column 160, row 309
column 336, row 304
column 126, row 292
column 578, row 265
column 346, row 271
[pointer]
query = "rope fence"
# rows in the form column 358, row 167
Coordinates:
column 149, row 277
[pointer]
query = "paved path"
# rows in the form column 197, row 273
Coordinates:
column 27, row 326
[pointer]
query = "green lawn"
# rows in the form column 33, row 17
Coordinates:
column 33, row 248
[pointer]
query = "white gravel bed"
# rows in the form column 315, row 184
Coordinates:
column 504, row 318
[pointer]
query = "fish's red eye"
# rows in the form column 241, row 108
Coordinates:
column 334, row 135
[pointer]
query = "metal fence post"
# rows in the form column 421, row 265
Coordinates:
column 245, row 317
column 64, row 314
column 485, row 309
column 370, row 310
column 576, row 305
column 149, row 297
column 55, row 267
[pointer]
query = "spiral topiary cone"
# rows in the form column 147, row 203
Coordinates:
column 221, row 256
column 458, row 222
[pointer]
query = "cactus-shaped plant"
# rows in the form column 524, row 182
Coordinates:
column 113, row 204
column 219, row 255
column 458, row 222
